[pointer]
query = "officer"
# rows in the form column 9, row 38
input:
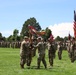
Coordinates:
column 24, row 51
column 60, row 48
column 73, row 50
column 34, row 42
column 51, row 51
column 41, row 53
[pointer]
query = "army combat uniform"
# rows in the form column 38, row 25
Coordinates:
column 51, row 52
column 73, row 52
column 60, row 48
column 41, row 53
column 25, row 53
column 34, row 48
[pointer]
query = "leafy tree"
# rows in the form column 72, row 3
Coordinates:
column 65, row 38
column 58, row 38
column 4, row 38
column 48, row 32
column 33, row 22
column 10, row 38
column 0, row 34
column 18, row 38
column 15, row 34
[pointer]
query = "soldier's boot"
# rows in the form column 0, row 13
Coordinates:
column 72, row 60
column 60, row 57
column 45, row 66
column 38, row 63
column 44, row 62
column 28, row 63
column 51, row 62
column 38, row 67
column 22, row 62
column 22, row 66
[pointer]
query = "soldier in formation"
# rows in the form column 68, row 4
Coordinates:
column 25, row 54
column 41, row 53
column 34, row 42
column 60, row 48
column 73, row 50
column 51, row 51
column 71, row 47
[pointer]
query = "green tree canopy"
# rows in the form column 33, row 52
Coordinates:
column 58, row 38
column 48, row 32
column 15, row 34
column 2, row 38
column 33, row 22
column 0, row 34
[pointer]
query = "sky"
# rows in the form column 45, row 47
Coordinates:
column 54, row 14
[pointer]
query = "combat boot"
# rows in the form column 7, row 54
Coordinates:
column 45, row 67
column 22, row 66
column 38, row 67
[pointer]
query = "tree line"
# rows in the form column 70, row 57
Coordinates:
column 24, row 31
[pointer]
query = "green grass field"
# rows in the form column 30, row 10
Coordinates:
column 10, row 60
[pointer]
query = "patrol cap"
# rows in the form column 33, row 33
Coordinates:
column 25, row 37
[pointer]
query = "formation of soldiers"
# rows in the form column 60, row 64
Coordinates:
column 28, row 51
column 4, row 44
column 71, row 47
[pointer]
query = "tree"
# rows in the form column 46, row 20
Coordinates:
column 33, row 22
column 48, row 32
column 58, row 38
column 0, row 34
column 18, row 38
column 15, row 34
column 10, row 38
column 65, row 38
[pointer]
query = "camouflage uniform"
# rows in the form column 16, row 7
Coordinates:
column 73, row 52
column 41, row 53
column 69, row 48
column 60, row 48
column 51, row 51
column 34, row 48
column 29, row 57
column 24, row 52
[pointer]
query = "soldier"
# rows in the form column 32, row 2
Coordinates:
column 41, row 53
column 51, row 51
column 24, row 51
column 69, row 49
column 60, row 48
column 73, row 50
column 34, row 42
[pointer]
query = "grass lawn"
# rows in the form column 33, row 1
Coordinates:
column 10, row 60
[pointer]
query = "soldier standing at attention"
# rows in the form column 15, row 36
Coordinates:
column 60, row 48
column 34, row 42
column 41, row 53
column 73, row 50
column 24, row 51
column 51, row 51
